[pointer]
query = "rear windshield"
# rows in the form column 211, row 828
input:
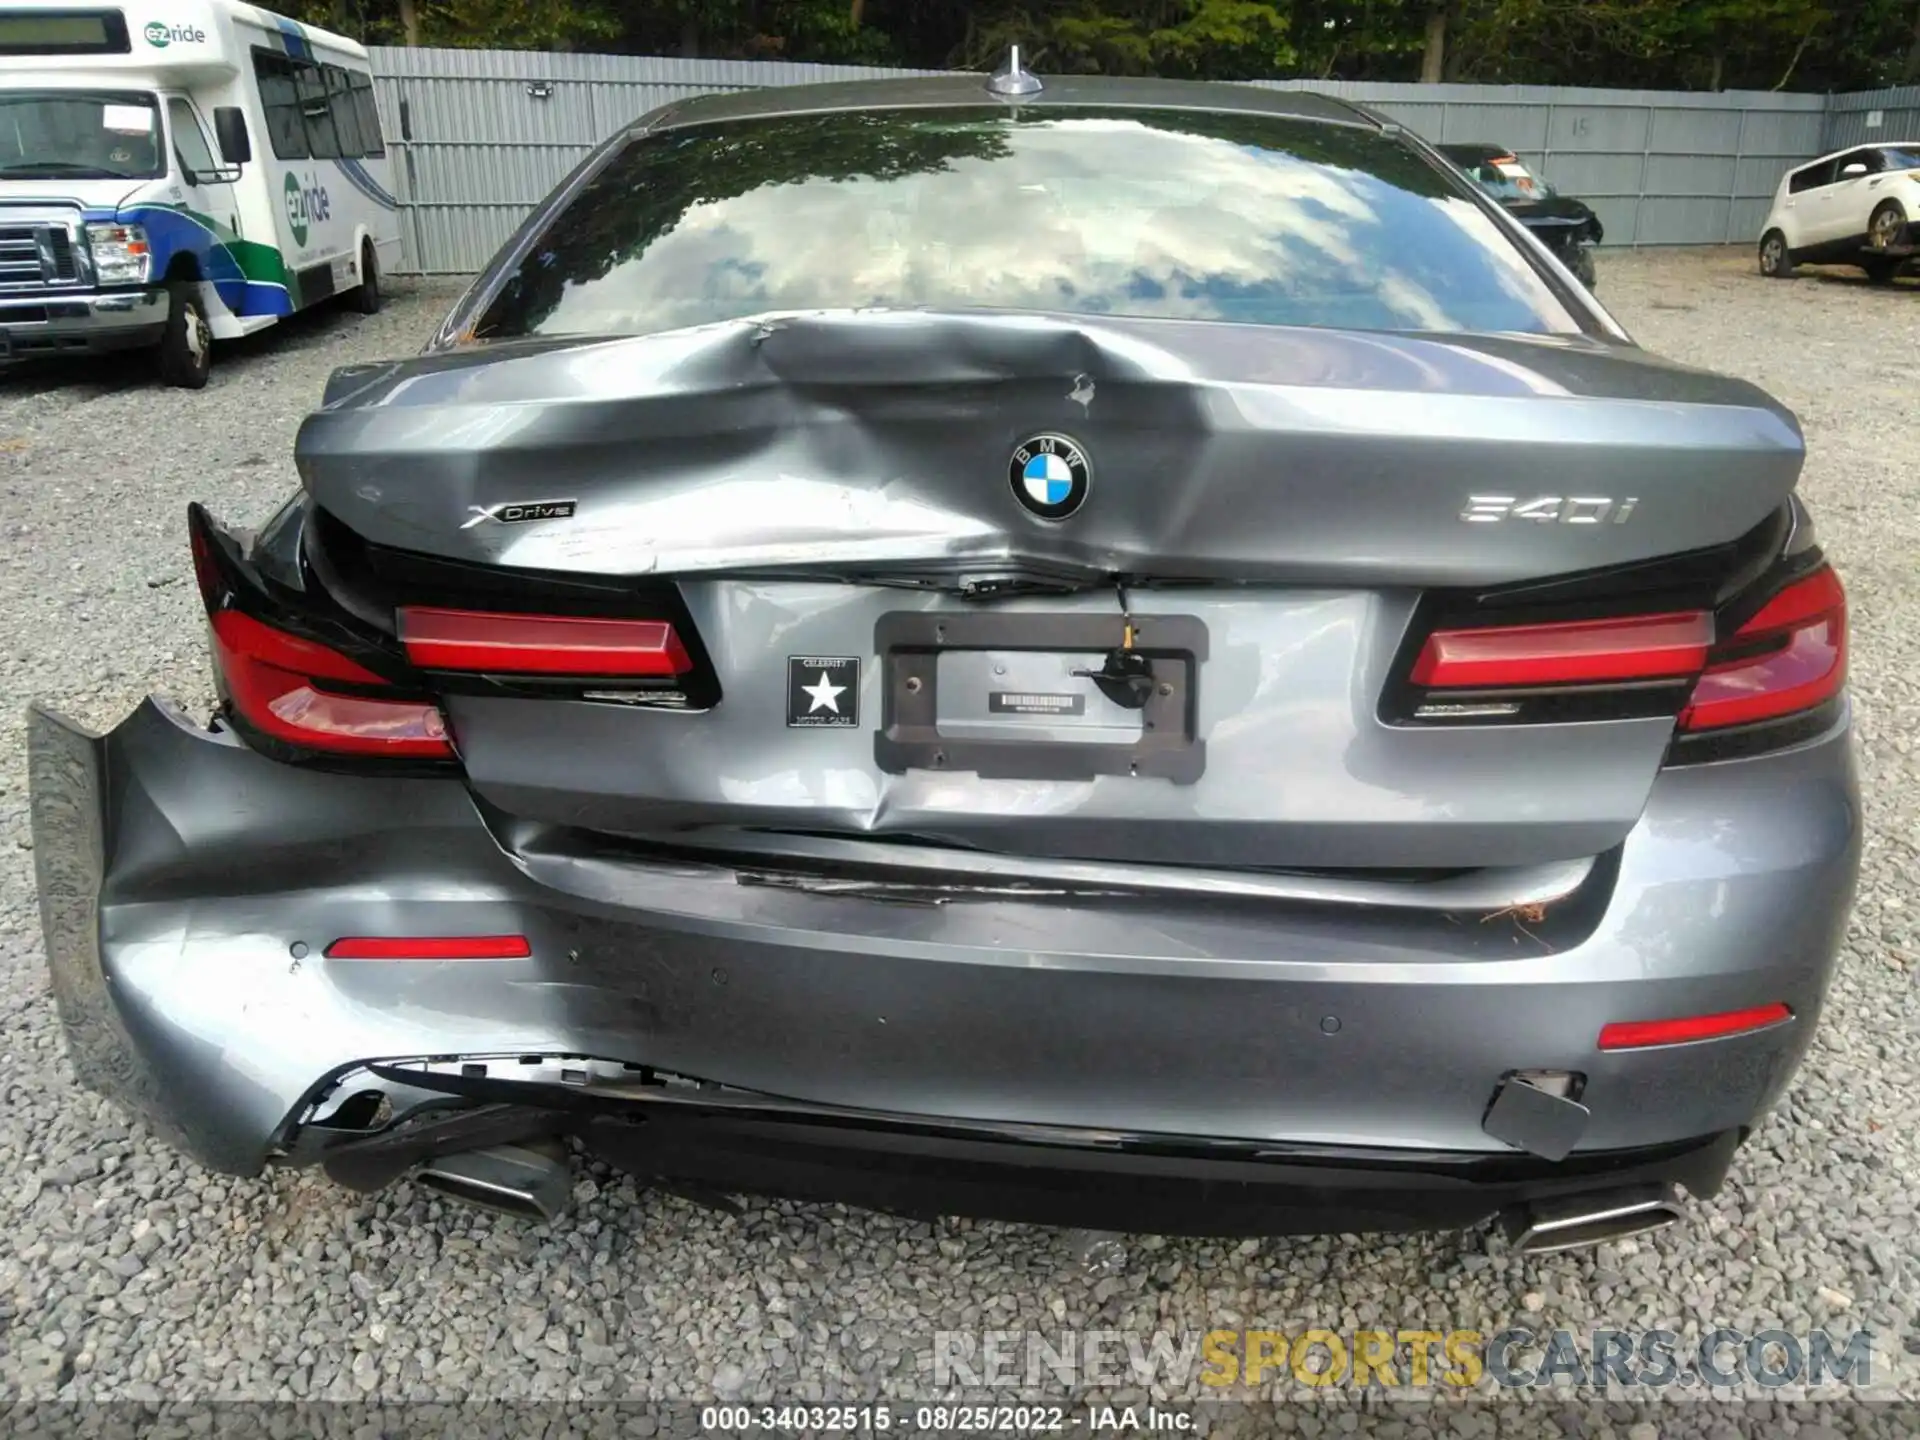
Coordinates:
column 1252, row 219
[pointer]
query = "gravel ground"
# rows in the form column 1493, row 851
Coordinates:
column 127, row 1273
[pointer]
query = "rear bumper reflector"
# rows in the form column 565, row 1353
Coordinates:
column 430, row 947
column 1643, row 1034
column 500, row 643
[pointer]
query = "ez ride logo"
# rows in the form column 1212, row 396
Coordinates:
column 160, row 35
column 307, row 206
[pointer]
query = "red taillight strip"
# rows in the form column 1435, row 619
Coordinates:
column 244, row 637
column 541, row 644
column 1634, row 647
column 430, row 947
column 1641, row 1034
column 1805, row 665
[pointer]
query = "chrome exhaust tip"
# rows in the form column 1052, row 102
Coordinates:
column 533, row 1181
column 1577, row 1221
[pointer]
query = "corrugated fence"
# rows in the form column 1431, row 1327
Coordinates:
column 479, row 136
column 1873, row 117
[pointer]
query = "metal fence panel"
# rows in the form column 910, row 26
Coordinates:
column 1745, row 217
column 479, row 136
column 1679, row 219
column 1873, row 117
column 1518, row 127
column 1593, row 176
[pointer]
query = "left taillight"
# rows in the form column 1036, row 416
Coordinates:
column 300, row 692
column 292, row 689
column 552, row 645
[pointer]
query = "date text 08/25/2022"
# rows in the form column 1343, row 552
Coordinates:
column 944, row 1419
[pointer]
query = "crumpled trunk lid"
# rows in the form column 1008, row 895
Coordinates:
column 849, row 443
column 825, row 494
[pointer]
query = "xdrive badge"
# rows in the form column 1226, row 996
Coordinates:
column 519, row 512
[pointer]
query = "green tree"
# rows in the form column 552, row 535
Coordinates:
column 1718, row 44
column 1700, row 44
column 1216, row 39
column 519, row 24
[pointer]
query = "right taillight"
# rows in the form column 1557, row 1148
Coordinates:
column 1511, row 657
column 1790, row 657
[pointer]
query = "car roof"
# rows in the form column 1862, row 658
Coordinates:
column 1863, row 145
column 1479, row 149
column 951, row 90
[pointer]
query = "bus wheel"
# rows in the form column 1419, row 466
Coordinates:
column 186, row 345
column 366, row 296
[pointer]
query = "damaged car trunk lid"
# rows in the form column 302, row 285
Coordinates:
column 1065, row 483
column 827, row 504
column 868, row 445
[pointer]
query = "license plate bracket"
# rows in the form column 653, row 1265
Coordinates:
column 922, row 730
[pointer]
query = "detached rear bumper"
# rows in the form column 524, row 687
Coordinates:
column 189, row 888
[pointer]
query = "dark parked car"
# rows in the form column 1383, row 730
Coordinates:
column 1108, row 652
column 1566, row 226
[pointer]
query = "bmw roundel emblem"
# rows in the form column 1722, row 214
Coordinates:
column 1050, row 475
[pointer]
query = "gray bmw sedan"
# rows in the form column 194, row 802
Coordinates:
column 1107, row 652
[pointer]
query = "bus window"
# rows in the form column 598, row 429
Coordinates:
column 323, row 143
column 285, row 132
column 346, row 121
column 190, row 148
column 369, row 113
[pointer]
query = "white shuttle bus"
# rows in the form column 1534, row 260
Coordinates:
column 175, row 172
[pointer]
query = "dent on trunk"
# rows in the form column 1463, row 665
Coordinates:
column 855, row 442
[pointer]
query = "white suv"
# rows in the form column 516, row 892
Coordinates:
column 1847, row 208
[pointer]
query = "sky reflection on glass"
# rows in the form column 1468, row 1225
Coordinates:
column 1197, row 216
